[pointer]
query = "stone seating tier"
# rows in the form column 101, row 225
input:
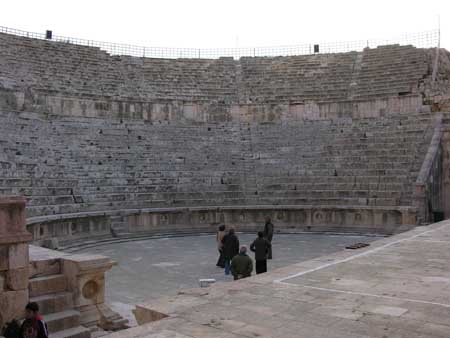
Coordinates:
column 79, row 71
column 73, row 164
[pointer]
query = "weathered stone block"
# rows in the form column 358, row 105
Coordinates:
column 47, row 284
column 86, row 277
column 18, row 256
column 145, row 315
column 12, row 220
column 44, row 267
column 12, row 215
column 4, row 257
column 13, row 259
column 17, row 279
column 2, row 282
column 13, row 305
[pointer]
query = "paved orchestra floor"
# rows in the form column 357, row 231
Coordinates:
column 149, row 269
column 398, row 287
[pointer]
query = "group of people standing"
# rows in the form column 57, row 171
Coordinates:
column 234, row 258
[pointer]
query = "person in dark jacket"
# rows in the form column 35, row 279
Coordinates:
column 230, row 248
column 260, row 247
column 33, row 326
column 220, row 235
column 268, row 234
column 12, row 329
column 241, row 265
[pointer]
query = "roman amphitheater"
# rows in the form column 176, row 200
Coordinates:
column 118, row 166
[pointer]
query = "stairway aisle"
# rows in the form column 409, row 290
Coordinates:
column 56, row 306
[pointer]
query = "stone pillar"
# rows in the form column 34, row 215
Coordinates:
column 86, row 280
column 13, row 259
column 86, row 277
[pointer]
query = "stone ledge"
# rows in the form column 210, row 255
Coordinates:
column 41, row 219
column 170, row 221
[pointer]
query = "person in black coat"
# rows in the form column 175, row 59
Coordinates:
column 268, row 234
column 230, row 249
column 260, row 247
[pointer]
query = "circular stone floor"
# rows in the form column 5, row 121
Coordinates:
column 152, row 268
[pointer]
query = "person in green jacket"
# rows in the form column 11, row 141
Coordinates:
column 242, row 264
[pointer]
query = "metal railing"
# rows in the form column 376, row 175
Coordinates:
column 426, row 39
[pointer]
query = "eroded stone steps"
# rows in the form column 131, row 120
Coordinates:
column 63, row 320
column 39, row 286
column 55, row 302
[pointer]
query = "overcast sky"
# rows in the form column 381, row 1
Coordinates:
column 227, row 23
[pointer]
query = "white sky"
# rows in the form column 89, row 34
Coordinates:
column 227, row 23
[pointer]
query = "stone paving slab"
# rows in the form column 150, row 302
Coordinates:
column 398, row 287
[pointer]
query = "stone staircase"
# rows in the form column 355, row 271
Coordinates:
column 49, row 290
column 118, row 226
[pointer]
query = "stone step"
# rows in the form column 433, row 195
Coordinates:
column 54, row 302
column 99, row 333
column 47, row 284
column 75, row 332
column 47, row 267
column 63, row 320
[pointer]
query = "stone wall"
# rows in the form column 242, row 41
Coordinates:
column 70, row 227
column 13, row 259
column 429, row 187
column 446, row 169
column 176, row 111
column 383, row 220
column 179, row 220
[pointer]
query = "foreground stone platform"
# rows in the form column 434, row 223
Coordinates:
column 149, row 269
column 397, row 287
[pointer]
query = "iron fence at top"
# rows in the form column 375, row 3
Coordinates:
column 426, row 39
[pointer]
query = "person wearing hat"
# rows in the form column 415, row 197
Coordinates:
column 268, row 234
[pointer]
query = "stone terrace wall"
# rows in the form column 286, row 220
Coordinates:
column 13, row 259
column 67, row 79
